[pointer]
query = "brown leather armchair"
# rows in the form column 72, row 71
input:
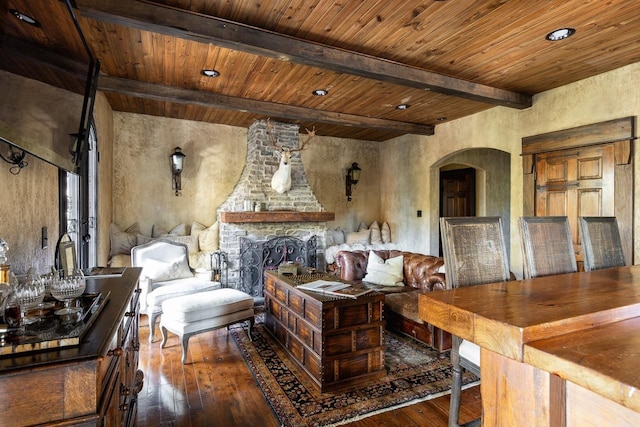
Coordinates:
column 421, row 274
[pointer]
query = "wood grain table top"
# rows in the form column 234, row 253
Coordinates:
column 603, row 360
column 503, row 317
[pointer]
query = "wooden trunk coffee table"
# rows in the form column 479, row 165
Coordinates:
column 337, row 341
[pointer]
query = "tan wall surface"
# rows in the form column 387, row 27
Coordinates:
column 28, row 202
column 216, row 156
column 103, row 117
column 142, row 176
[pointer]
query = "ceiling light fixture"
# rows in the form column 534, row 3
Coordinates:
column 402, row 106
column 320, row 92
column 24, row 18
column 210, row 73
column 560, row 34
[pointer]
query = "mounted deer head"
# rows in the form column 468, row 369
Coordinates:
column 281, row 180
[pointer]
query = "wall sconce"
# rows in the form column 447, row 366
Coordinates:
column 177, row 163
column 15, row 157
column 353, row 176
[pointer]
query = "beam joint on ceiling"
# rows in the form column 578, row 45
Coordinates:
column 179, row 23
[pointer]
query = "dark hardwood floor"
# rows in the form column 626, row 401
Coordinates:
column 215, row 388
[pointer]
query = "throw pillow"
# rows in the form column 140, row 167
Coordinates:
column 358, row 237
column 190, row 241
column 123, row 241
column 385, row 273
column 335, row 237
column 376, row 236
column 209, row 238
column 362, row 226
column 385, row 233
column 157, row 231
column 160, row 271
column 141, row 240
column 179, row 230
column 197, row 228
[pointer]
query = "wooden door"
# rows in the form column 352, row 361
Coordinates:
column 457, row 192
column 573, row 183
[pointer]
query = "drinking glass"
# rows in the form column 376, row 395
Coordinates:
column 67, row 289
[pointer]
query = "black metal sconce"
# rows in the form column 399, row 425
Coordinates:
column 177, row 163
column 15, row 157
column 353, row 176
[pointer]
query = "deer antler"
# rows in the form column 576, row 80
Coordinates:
column 310, row 135
column 274, row 141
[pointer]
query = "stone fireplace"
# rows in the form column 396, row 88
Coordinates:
column 295, row 213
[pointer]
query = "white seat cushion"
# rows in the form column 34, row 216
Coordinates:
column 177, row 288
column 470, row 351
column 206, row 305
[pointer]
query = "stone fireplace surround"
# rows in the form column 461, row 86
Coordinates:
column 295, row 213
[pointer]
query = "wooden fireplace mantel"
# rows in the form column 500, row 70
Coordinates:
column 276, row 216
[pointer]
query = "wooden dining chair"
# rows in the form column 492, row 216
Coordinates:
column 547, row 248
column 474, row 253
column 601, row 244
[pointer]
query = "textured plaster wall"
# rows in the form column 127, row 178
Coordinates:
column 216, row 156
column 28, row 202
column 326, row 162
column 409, row 160
column 142, row 190
column 103, row 118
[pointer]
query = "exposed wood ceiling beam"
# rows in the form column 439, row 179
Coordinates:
column 43, row 56
column 207, row 29
column 207, row 99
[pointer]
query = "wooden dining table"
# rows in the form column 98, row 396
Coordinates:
column 555, row 351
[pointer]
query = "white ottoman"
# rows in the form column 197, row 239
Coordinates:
column 195, row 313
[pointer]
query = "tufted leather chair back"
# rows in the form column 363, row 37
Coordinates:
column 420, row 271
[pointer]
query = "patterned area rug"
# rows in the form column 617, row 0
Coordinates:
column 414, row 374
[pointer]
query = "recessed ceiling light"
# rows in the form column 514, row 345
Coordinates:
column 24, row 18
column 210, row 73
column 402, row 106
column 560, row 34
column 320, row 92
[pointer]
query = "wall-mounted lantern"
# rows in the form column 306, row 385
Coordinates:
column 177, row 164
column 353, row 176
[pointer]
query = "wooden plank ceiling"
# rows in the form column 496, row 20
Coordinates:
column 445, row 59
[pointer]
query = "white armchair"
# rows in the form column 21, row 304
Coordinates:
column 165, row 275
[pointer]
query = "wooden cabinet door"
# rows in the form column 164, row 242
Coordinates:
column 576, row 182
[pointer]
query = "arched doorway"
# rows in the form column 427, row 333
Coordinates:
column 492, row 186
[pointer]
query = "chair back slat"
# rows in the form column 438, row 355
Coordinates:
column 547, row 248
column 601, row 243
column 474, row 251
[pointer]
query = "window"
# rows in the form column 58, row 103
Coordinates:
column 79, row 204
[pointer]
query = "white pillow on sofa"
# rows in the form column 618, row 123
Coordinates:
column 376, row 236
column 385, row 273
column 358, row 237
column 160, row 271
column 385, row 233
